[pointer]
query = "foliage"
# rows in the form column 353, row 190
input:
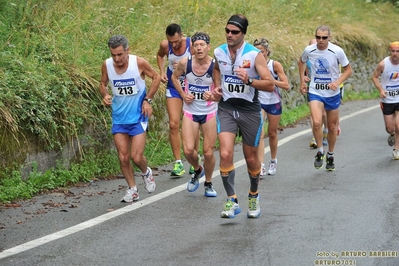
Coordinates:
column 100, row 165
column 43, row 94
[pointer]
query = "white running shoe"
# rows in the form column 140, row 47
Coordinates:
column 231, row 209
column 149, row 181
column 272, row 167
column 262, row 170
column 395, row 154
column 131, row 194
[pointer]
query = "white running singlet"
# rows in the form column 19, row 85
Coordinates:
column 197, row 85
column 390, row 82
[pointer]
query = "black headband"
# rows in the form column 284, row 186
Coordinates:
column 239, row 22
column 200, row 37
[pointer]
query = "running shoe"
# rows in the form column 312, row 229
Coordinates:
column 132, row 194
column 149, row 181
column 193, row 183
column 325, row 142
column 191, row 171
column 395, row 154
column 231, row 209
column 330, row 163
column 338, row 131
column 210, row 192
column 178, row 170
column 318, row 160
column 313, row 144
column 272, row 167
column 253, row 207
column 262, row 170
column 391, row 140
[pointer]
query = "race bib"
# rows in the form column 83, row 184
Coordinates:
column 197, row 91
column 322, row 83
column 181, row 80
column 125, row 87
column 235, row 85
column 392, row 91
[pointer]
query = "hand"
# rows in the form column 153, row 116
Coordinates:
column 333, row 85
column 107, row 100
column 188, row 98
column 241, row 73
column 146, row 109
column 217, row 93
column 303, row 88
column 164, row 78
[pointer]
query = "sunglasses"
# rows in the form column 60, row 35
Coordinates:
column 263, row 42
column 321, row 37
column 234, row 32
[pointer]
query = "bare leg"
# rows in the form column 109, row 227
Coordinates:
column 174, row 106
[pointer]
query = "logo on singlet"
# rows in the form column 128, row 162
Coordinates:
column 246, row 63
column 391, row 88
column 198, row 81
column 321, row 65
column 394, row 75
column 196, row 88
column 232, row 79
column 124, row 82
column 322, row 80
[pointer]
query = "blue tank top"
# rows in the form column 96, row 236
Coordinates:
column 173, row 58
column 128, row 93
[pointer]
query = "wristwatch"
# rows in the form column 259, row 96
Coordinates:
column 148, row 100
column 250, row 80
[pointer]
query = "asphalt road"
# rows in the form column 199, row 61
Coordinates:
column 309, row 216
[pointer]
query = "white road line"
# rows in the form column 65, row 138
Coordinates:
column 105, row 217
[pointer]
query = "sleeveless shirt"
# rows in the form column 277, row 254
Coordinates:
column 128, row 90
column 237, row 95
column 273, row 97
column 173, row 58
column 390, row 81
column 197, row 85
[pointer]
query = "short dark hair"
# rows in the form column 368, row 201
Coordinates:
column 117, row 40
column 172, row 29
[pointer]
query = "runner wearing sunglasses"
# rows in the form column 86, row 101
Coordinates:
column 325, row 59
column 240, row 71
